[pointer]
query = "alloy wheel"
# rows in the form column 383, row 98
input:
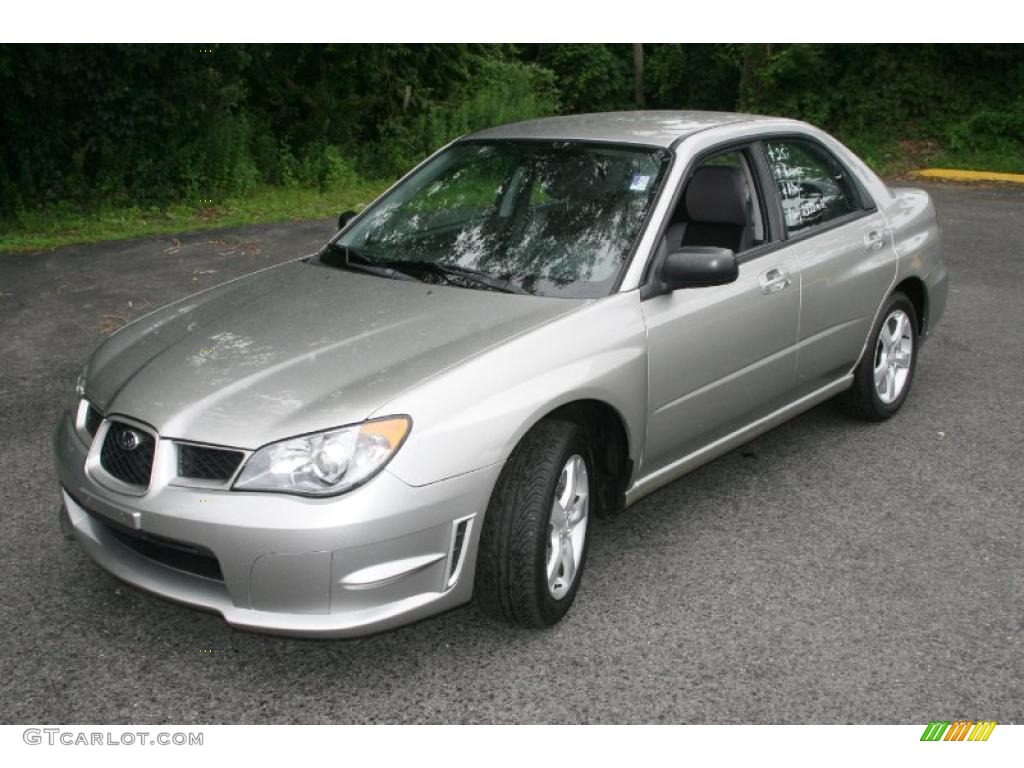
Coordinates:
column 893, row 354
column 567, row 526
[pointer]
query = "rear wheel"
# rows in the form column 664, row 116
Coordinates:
column 533, row 544
column 882, row 379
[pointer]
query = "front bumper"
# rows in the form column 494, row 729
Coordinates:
column 380, row 556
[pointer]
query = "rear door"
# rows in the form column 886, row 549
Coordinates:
column 842, row 248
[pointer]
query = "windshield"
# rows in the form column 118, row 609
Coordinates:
column 548, row 218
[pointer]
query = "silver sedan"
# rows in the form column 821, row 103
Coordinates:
column 537, row 326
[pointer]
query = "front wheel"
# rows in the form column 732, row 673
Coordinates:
column 534, row 539
column 881, row 381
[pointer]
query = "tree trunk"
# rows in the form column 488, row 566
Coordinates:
column 755, row 57
column 638, row 74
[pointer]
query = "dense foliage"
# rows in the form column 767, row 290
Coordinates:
column 153, row 124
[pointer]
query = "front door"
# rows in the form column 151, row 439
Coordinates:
column 721, row 357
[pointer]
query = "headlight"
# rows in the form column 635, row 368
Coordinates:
column 325, row 463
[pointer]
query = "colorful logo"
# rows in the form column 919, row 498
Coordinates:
column 958, row 730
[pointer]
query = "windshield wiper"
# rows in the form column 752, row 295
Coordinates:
column 398, row 269
column 503, row 284
column 352, row 259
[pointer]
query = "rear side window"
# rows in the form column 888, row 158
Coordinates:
column 814, row 188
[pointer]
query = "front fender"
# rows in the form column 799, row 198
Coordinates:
column 474, row 414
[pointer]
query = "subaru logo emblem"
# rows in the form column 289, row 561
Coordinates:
column 129, row 440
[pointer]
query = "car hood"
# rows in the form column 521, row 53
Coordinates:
column 297, row 348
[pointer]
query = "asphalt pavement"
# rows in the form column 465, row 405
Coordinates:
column 828, row 572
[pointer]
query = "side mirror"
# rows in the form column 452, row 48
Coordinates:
column 345, row 218
column 699, row 266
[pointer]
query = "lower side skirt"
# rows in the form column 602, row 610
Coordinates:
column 661, row 477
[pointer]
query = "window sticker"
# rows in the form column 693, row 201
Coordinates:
column 639, row 183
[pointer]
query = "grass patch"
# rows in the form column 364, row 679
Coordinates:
column 57, row 226
column 899, row 157
column 1001, row 162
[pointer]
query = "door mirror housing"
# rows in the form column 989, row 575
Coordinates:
column 699, row 266
column 345, row 218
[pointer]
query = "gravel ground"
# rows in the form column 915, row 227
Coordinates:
column 828, row 572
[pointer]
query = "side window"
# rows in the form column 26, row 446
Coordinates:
column 738, row 159
column 813, row 187
column 720, row 206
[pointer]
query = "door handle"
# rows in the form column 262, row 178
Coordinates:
column 774, row 280
column 874, row 239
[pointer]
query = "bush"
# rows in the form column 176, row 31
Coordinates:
column 499, row 91
column 150, row 125
column 991, row 131
column 323, row 167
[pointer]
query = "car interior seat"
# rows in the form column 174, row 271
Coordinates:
column 716, row 211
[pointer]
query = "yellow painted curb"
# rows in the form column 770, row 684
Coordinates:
column 953, row 175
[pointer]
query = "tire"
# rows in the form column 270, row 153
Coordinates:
column 864, row 400
column 513, row 579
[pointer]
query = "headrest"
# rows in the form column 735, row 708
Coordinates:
column 717, row 194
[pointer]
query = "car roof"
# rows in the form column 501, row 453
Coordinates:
column 659, row 128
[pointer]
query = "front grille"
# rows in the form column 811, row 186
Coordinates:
column 93, row 419
column 189, row 558
column 129, row 465
column 203, row 463
column 180, row 555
